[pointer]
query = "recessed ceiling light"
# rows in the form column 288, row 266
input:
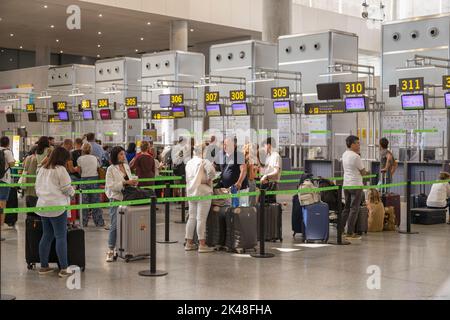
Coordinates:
column 45, row 6
column 61, row 51
column 149, row 23
column 1, row 19
column 99, row 32
column 136, row 50
column 98, row 46
column 98, row 56
column 52, row 26
column 100, row 15
column 142, row 39
column 11, row 34
column 192, row 30
column 57, row 40
column 10, row 60
column 20, row 47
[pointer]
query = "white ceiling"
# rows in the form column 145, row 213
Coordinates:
column 121, row 29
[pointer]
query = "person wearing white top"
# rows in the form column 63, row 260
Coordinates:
column 439, row 197
column 271, row 170
column 88, row 167
column 53, row 188
column 118, row 176
column 199, row 175
column 6, row 178
column 353, row 176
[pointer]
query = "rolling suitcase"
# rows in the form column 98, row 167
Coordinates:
column 297, row 216
column 75, row 245
column 216, row 227
column 428, row 216
column 13, row 202
column 420, row 200
column 362, row 224
column 273, row 222
column 392, row 200
column 315, row 222
column 241, row 229
column 133, row 231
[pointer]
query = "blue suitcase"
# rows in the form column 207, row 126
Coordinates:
column 316, row 222
column 296, row 216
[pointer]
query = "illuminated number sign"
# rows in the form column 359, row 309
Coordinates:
column 411, row 84
column 102, row 103
column 131, row 102
column 85, row 104
column 280, row 93
column 30, row 107
column 238, row 95
column 446, row 82
column 176, row 99
column 162, row 115
column 355, row 87
column 211, row 97
column 59, row 106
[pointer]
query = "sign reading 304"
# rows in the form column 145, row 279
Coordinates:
column 102, row 103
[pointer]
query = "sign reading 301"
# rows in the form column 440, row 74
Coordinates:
column 131, row 102
column 446, row 82
column 176, row 99
column 102, row 103
column 238, row 95
column 355, row 87
column 212, row 97
column 411, row 84
column 280, row 93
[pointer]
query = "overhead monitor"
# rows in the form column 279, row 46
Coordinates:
column 355, row 104
column 32, row 117
column 88, row 115
column 239, row 109
column 63, row 116
column 282, row 107
column 213, row 110
column 329, row 91
column 105, row 114
column 413, row 101
column 179, row 112
column 164, row 100
column 10, row 117
column 447, row 100
column 133, row 113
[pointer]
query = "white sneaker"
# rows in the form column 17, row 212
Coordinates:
column 190, row 247
column 110, row 256
column 205, row 249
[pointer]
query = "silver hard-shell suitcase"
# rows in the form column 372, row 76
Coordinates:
column 133, row 232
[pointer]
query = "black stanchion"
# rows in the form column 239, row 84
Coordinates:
column 340, row 228
column 167, row 218
column 262, row 228
column 152, row 272
column 408, row 209
column 183, row 203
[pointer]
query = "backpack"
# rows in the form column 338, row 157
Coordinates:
column 309, row 198
column 330, row 197
column 3, row 163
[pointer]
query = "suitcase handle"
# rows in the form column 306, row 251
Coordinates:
column 422, row 178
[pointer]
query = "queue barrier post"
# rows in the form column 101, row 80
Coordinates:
column 340, row 228
column 408, row 203
column 262, row 226
column 4, row 296
column 183, row 203
column 153, row 272
column 167, row 218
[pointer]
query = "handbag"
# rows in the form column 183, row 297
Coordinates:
column 133, row 193
column 101, row 173
column 220, row 202
column 309, row 198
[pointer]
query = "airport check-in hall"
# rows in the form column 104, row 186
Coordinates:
column 252, row 150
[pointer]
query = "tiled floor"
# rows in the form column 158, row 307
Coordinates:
column 412, row 267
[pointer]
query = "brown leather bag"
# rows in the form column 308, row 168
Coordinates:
column 101, row 173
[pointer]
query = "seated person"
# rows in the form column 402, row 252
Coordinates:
column 439, row 197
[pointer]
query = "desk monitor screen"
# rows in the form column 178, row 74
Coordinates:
column 164, row 100
column 329, row 91
column 10, row 117
column 133, row 113
column 63, row 116
column 282, row 107
column 213, row 110
column 239, row 109
column 88, row 115
column 32, row 117
column 413, row 102
column 179, row 112
column 105, row 114
column 447, row 100
column 355, row 104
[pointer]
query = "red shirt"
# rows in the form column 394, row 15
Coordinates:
column 144, row 164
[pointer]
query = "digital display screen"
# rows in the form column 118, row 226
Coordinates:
column 88, row 115
column 164, row 100
column 282, row 107
column 10, row 117
column 133, row 113
column 30, row 107
column 329, row 91
column 179, row 112
column 213, row 110
column 447, row 100
column 105, row 114
column 355, row 104
column 32, row 117
column 413, row 102
column 59, row 106
column 239, row 109
column 63, row 116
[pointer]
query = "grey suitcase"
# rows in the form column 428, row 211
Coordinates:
column 362, row 224
column 216, row 226
column 133, row 232
column 241, row 227
column 273, row 222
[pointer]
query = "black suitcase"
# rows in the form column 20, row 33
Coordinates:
column 297, row 216
column 216, row 226
column 273, row 222
column 362, row 224
column 13, row 202
column 33, row 235
column 428, row 216
column 241, row 229
column 420, row 200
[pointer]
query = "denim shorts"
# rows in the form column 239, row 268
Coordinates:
column 4, row 192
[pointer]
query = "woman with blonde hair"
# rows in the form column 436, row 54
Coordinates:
column 376, row 211
column 252, row 165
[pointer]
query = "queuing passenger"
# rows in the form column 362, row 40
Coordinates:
column 30, row 168
column 199, row 175
column 271, row 170
column 106, row 158
column 43, row 151
column 118, row 176
column 353, row 176
column 5, row 174
column 96, row 148
column 144, row 164
column 51, row 140
column 67, row 144
column 53, row 189
column 88, row 166
column 131, row 151
column 180, row 156
column 72, row 164
column 252, row 166
column 387, row 162
column 234, row 171
column 439, row 197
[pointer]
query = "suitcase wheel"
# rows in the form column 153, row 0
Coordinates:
column 240, row 251
column 127, row 260
column 281, row 239
column 30, row 266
